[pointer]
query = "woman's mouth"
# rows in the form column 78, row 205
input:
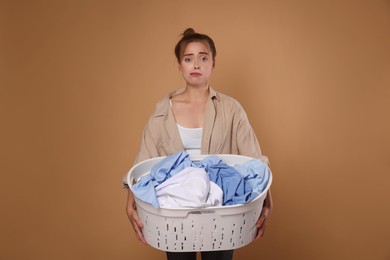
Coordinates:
column 195, row 74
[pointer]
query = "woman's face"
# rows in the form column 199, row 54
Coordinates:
column 196, row 64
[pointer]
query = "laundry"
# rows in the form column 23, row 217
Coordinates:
column 240, row 183
column 145, row 190
column 255, row 174
column 228, row 179
column 190, row 187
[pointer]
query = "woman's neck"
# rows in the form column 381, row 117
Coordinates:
column 197, row 93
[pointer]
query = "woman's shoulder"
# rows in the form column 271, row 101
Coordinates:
column 163, row 104
column 227, row 100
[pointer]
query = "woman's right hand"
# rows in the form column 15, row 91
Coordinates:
column 132, row 214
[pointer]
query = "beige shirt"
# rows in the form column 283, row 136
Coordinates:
column 226, row 130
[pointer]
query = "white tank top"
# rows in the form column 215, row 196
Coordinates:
column 190, row 137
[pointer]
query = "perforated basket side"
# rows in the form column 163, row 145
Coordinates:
column 202, row 229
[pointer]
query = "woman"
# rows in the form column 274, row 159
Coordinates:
column 199, row 120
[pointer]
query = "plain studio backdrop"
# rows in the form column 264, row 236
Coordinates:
column 79, row 80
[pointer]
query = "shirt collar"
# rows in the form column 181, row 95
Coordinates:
column 213, row 93
column 164, row 106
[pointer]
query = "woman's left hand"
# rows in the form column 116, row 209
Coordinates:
column 261, row 224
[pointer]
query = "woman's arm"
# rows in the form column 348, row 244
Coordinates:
column 132, row 214
column 248, row 144
column 147, row 146
column 264, row 216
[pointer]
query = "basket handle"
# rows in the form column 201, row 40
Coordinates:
column 202, row 212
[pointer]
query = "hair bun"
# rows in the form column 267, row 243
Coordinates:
column 188, row 32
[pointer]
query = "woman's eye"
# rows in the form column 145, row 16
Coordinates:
column 204, row 59
column 187, row 59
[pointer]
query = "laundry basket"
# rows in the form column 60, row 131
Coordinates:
column 198, row 229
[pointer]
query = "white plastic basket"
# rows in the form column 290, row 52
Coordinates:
column 198, row 229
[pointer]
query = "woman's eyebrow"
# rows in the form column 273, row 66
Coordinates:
column 201, row 52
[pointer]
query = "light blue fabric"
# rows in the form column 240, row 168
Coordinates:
column 164, row 169
column 240, row 183
column 255, row 174
column 227, row 178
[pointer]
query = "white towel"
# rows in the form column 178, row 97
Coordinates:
column 190, row 187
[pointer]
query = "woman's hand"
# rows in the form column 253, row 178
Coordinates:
column 132, row 214
column 261, row 224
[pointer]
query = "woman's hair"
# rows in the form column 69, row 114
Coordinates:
column 190, row 35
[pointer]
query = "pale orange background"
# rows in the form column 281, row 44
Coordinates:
column 80, row 78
